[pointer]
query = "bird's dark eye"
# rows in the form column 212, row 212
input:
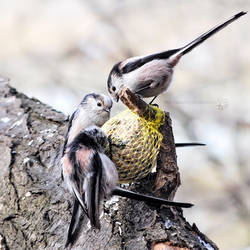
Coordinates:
column 114, row 88
column 99, row 104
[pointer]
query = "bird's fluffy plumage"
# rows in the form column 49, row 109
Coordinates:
column 90, row 175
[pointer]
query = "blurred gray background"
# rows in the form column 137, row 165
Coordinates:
column 59, row 50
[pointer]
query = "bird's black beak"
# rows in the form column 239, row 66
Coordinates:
column 107, row 110
column 116, row 98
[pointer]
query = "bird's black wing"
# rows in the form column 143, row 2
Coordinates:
column 142, row 86
column 147, row 87
column 137, row 63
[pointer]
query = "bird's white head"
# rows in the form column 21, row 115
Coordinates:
column 94, row 110
column 97, row 107
column 123, row 74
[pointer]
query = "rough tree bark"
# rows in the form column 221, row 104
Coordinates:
column 35, row 207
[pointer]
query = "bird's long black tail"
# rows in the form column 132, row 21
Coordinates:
column 188, row 144
column 209, row 33
column 141, row 197
column 71, row 237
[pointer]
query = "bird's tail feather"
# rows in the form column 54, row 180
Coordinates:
column 141, row 197
column 188, row 144
column 209, row 33
column 74, row 223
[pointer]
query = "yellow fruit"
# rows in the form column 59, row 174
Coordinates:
column 136, row 142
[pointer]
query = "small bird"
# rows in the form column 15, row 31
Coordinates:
column 91, row 176
column 149, row 76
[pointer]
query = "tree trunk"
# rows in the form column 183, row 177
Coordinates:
column 35, row 207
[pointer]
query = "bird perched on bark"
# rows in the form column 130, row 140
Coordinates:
column 90, row 175
column 149, row 76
